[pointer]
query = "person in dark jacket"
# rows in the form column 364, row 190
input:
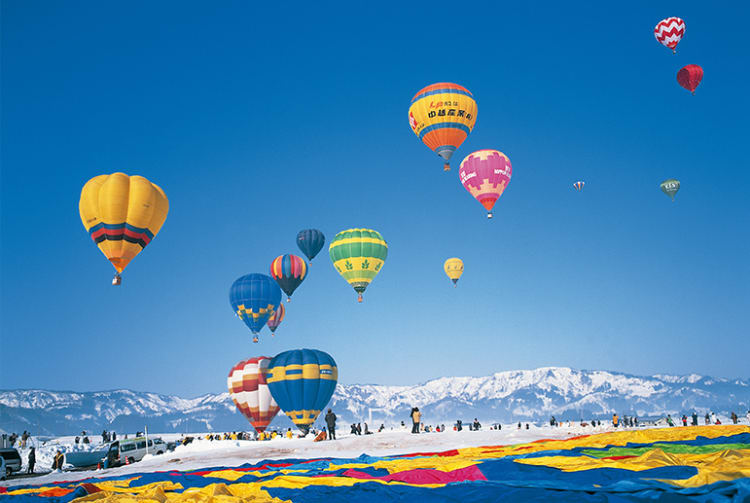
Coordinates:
column 359, row 428
column 694, row 419
column 57, row 464
column 353, row 429
column 32, row 460
column 331, row 423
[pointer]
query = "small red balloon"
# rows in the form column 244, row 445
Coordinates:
column 690, row 76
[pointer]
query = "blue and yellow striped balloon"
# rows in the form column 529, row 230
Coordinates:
column 254, row 298
column 302, row 382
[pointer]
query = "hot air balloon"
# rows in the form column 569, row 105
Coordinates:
column 669, row 32
column 249, row 391
column 670, row 187
column 122, row 214
column 289, row 271
column 310, row 241
column 254, row 297
column 358, row 255
column 690, row 76
column 579, row 185
column 486, row 174
column 442, row 115
column 275, row 320
column 302, row 382
column 454, row 268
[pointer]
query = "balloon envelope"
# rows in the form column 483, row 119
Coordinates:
column 302, row 382
column 289, row 271
column 669, row 32
column 249, row 391
column 358, row 255
column 579, row 185
column 275, row 320
column 670, row 187
column 254, row 297
column 486, row 174
column 454, row 268
column 690, row 76
column 442, row 115
column 310, row 241
column 122, row 214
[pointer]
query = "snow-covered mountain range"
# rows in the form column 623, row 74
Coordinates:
column 510, row 396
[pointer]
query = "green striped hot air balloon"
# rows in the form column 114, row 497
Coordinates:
column 670, row 187
column 358, row 255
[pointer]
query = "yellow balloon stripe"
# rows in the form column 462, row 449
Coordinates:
column 309, row 371
column 358, row 240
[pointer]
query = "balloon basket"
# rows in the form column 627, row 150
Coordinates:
column 489, row 215
column 117, row 280
column 255, row 339
column 446, row 167
column 359, row 298
column 288, row 299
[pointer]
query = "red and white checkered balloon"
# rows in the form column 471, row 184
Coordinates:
column 669, row 32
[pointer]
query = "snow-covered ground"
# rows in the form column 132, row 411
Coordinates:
column 203, row 453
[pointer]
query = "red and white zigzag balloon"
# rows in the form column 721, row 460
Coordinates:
column 669, row 32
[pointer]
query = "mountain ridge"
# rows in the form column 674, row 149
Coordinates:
column 505, row 396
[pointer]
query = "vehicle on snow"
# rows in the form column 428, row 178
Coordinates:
column 12, row 460
column 132, row 450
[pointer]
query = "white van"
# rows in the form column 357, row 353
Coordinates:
column 133, row 449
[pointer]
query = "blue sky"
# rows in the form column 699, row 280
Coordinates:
column 259, row 120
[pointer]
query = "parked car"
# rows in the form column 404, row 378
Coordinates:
column 132, row 450
column 12, row 460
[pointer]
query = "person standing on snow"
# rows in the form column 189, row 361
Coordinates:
column 615, row 420
column 713, row 418
column 707, row 418
column 694, row 419
column 32, row 460
column 416, row 418
column 684, row 420
column 331, row 423
column 57, row 464
column 734, row 417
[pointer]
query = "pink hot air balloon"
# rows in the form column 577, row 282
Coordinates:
column 249, row 391
column 669, row 32
column 690, row 76
column 275, row 320
column 485, row 174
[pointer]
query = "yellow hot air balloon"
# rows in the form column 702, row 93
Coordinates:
column 358, row 255
column 454, row 268
column 442, row 115
column 122, row 214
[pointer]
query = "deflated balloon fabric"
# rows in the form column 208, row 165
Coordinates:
column 703, row 463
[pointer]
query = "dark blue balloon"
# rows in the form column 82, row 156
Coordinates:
column 310, row 241
column 302, row 382
column 254, row 298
